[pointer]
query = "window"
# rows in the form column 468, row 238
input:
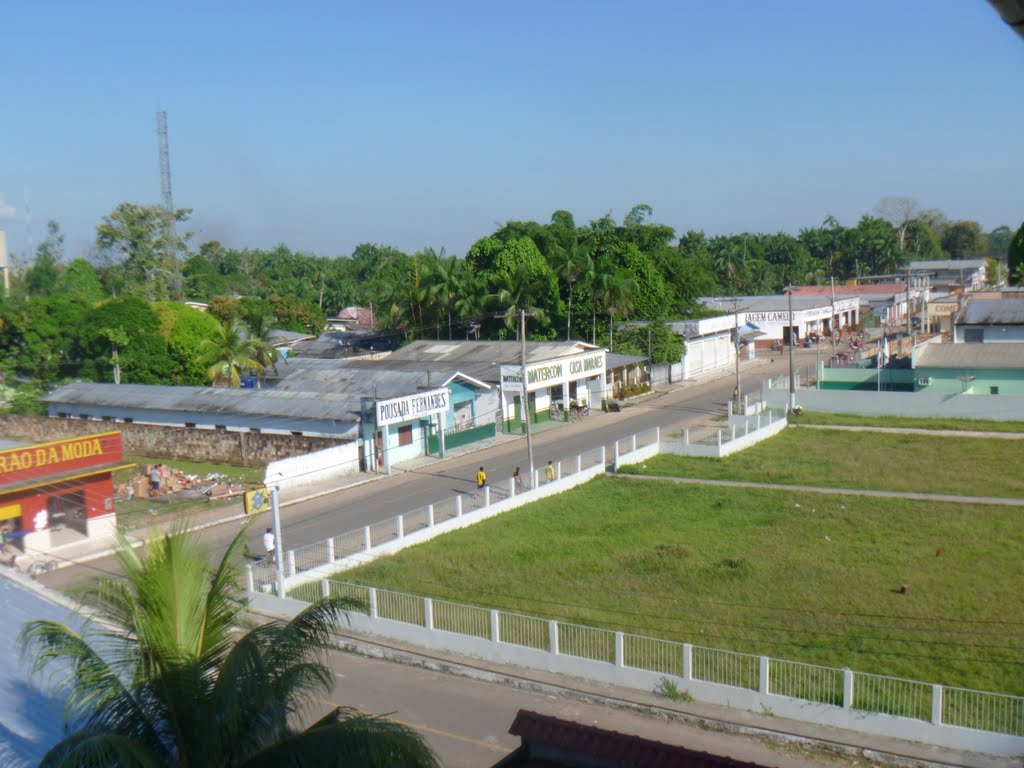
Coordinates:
column 993, row 390
column 974, row 335
column 128, row 420
column 297, row 434
column 405, row 435
column 190, row 425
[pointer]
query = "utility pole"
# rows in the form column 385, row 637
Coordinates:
column 792, row 374
column 525, row 410
column 737, row 394
column 835, row 319
column 275, row 509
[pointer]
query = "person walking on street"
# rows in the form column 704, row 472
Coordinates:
column 519, row 480
column 481, row 479
column 268, row 544
column 549, row 471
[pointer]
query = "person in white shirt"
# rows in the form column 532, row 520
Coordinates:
column 268, row 543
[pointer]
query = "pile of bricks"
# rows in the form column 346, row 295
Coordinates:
column 174, row 481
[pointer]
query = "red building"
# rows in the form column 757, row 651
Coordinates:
column 58, row 493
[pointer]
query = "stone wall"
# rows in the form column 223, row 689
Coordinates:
column 205, row 445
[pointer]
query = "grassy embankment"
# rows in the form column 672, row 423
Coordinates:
column 803, row 576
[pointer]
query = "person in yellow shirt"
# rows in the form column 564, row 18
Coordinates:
column 481, row 478
column 549, row 472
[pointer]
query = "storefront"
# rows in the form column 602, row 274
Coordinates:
column 554, row 387
column 58, row 493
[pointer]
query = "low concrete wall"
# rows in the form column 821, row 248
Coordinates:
column 919, row 404
column 244, row 449
column 310, row 468
column 618, row 674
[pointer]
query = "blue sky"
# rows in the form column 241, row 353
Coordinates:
column 326, row 124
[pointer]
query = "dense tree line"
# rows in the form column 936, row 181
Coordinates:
column 117, row 316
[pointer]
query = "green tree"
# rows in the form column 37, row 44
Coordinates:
column 227, row 355
column 443, row 279
column 183, row 329
column 42, row 277
column 39, row 338
column 162, row 677
column 134, row 239
column 512, row 292
column 963, row 239
column 1015, row 258
column 999, row 240
column 571, row 263
column 259, row 323
column 143, row 357
column 81, row 282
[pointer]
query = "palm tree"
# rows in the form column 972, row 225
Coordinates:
column 617, row 291
column 572, row 263
column 158, row 676
column 444, row 281
column 227, row 354
column 516, row 291
column 260, row 328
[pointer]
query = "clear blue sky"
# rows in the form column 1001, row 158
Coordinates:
column 326, row 124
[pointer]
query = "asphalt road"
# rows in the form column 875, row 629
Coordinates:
column 352, row 508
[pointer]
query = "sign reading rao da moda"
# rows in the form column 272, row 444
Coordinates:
column 33, row 462
column 411, row 407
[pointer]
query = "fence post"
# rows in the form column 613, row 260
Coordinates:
column 687, row 661
column 719, row 438
column 763, row 686
column 746, row 426
column 458, row 506
column 487, row 495
column 758, row 419
column 372, row 600
column 579, row 463
column 367, row 542
column 616, row 454
column 936, row 705
column 511, row 487
column 430, row 515
column 558, row 471
column 632, row 444
column 330, row 550
column 325, row 588
column 686, row 436
column 250, row 579
column 733, row 431
column 291, row 562
column 400, row 527
column 657, row 435
column 495, row 627
column 428, row 613
column 847, row 689
column 553, row 636
column 618, row 649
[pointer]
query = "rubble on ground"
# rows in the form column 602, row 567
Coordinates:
column 175, row 484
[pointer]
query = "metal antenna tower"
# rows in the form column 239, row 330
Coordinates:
column 168, row 201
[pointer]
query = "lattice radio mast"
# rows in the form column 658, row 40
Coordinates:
column 168, row 201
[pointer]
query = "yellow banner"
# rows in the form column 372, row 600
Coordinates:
column 257, row 501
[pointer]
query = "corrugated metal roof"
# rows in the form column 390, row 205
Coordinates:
column 764, row 303
column 489, row 352
column 1008, row 355
column 845, row 291
column 951, row 265
column 244, row 402
column 993, row 312
column 615, row 360
column 609, row 747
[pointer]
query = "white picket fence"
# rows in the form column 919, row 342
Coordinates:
column 959, row 718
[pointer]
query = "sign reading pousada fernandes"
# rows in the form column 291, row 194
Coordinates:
column 548, row 374
column 410, row 407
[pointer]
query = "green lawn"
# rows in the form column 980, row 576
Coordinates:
column 962, row 425
column 968, row 466
column 797, row 576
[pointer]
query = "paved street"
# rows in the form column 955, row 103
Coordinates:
column 351, row 508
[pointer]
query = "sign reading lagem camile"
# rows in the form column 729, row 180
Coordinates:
column 33, row 462
column 410, row 407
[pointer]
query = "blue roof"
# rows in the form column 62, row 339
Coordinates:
column 31, row 718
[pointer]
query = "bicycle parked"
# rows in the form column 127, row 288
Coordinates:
column 580, row 410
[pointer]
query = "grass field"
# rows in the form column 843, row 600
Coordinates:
column 960, row 425
column 797, row 576
column 968, row 466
